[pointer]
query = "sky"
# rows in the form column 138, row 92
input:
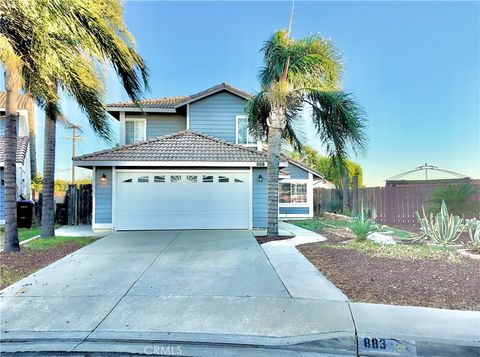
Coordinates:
column 413, row 66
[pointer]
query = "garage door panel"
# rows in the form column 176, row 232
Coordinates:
column 182, row 203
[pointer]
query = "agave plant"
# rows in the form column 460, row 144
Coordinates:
column 473, row 228
column 361, row 225
column 443, row 228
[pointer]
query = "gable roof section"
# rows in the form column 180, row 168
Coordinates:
column 22, row 146
column 23, row 100
column 183, row 148
column 305, row 167
column 170, row 104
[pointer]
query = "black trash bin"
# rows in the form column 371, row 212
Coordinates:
column 25, row 213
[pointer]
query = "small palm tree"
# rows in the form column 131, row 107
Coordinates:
column 300, row 74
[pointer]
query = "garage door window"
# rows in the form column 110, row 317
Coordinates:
column 143, row 179
column 192, row 178
column 127, row 180
column 159, row 179
column 238, row 180
column 207, row 178
column 223, row 179
column 175, row 178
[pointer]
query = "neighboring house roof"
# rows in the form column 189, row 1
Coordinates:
column 22, row 146
column 184, row 147
column 22, row 102
column 171, row 103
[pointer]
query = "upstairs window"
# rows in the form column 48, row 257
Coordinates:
column 135, row 130
column 243, row 134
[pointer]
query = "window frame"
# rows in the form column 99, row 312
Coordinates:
column 242, row 117
column 295, row 182
column 144, row 120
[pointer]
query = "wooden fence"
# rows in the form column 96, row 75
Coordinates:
column 394, row 206
column 78, row 202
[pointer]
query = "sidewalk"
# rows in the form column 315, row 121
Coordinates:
column 300, row 277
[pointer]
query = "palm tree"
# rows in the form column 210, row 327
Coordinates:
column 83, row 37
column 300, row 74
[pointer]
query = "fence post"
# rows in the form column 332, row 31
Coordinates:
column 346, row 192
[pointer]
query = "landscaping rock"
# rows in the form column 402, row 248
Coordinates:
column 380, row 238
column 338, row 217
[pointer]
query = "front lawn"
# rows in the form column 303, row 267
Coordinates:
column 37, row 254
column 400, row 274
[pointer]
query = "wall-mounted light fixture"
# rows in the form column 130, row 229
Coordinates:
column 103, row 179
column 3, row 182
column 260, row 178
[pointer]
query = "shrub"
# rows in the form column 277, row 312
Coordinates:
column 361, row 225
column 443, row 228
column 458, row 199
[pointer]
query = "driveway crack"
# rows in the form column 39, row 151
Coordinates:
column 128, row 290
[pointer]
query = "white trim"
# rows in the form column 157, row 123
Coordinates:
column 188, row 116
column 248, row 133
column 310, row 193
column 102, row 226
column 114, row 188
column 251, row 199
column 94, row 194
column 294, row 215
column 139, row 110
column 82, row 163
column 122, row 127
column 127, row 119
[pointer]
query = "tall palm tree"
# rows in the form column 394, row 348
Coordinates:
column 297, row 75
column 76, row 41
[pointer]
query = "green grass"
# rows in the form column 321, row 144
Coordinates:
column 45, row 243
column 27, row 233
column 399, row 251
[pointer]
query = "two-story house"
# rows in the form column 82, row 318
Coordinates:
column 189, row 162
column 23, row 150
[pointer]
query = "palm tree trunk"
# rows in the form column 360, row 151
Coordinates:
column 355, row 194
column 346, row 192
column 12, row 86
column 273, row 159
column 32, row 138
column 48, row 206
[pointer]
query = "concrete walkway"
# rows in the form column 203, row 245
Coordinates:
column 301, row 278
column 78, row 231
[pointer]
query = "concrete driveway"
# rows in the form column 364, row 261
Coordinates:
column 216, row 286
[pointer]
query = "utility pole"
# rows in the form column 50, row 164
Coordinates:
column 74, row 138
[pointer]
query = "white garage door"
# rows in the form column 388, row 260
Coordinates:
column 182, row 200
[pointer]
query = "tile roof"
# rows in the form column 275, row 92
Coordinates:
column 186, row 145
column 175, row 102
column 23, row 100
column 22, row 146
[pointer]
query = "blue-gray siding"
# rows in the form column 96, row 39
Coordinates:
column 296, row 172
column 159, row 125
column 294, row 210
column 259, row 198
column 215, row 115
column 2, row 196
column 2, row 126
column 103, row 196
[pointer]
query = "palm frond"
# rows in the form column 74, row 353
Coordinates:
column 339, row 121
